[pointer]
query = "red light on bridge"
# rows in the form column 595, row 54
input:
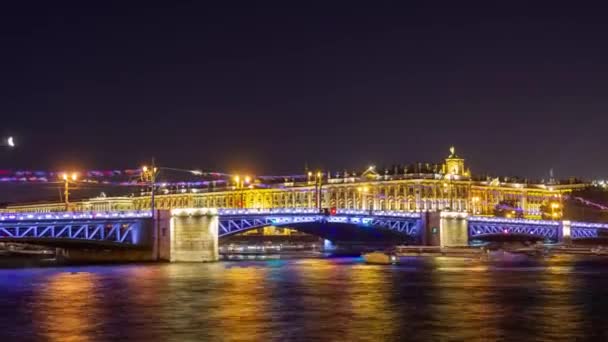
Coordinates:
column 333, row 211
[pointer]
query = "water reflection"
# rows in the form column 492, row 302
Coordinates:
column 244, row 310
column 559, row 312
column 370, row 303
column 329, row 300
column 67, row 307
column 310, row 298
column 462, row 303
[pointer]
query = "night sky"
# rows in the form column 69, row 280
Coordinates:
column 264, row 87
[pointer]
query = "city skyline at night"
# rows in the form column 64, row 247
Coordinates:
column 517, row 89
column 303, row 171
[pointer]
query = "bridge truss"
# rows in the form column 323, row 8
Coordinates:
column 234, row 221
column 484, row 227
column 582, row 230
column 114, row 228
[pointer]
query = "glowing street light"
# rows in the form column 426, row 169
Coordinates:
column 318, row 189
column 66, row 187
column 149, row 175
column 240, row 184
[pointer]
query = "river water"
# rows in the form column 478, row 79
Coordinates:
column 305, row 300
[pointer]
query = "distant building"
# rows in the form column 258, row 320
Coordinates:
column 423, row 187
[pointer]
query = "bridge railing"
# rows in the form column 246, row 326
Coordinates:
column 9, row 217
column 500, row 220
column 291, row 211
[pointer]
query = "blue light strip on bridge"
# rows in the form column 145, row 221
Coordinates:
column 512, row 221
column 316, row 211
column 588, row 225
column 74, row 216
column 267, row 211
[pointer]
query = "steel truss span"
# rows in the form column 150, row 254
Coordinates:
column 584, row 233
column 582, row 230
column 122, row 232
column 231, row 224
column 483, row 229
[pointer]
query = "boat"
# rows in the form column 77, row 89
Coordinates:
column 380, row 258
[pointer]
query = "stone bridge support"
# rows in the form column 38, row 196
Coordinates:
column 188, row 235
column 453, row 229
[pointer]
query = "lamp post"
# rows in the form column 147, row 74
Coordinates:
column 240, row 185
column 318, row 190
column 66, row 188
column 149, row 175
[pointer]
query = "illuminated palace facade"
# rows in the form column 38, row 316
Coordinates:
column 448, row 186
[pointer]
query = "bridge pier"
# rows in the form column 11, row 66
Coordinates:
column 445, row 229
column 453, row 229
column 188, row 235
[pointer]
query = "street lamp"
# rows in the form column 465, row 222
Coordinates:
column 240, row 184
column 148, row 174
column 318, row 189
column 66, row 187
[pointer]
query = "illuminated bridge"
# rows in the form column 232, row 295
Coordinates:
column 192, row 234
column 126, row 228
column 110, row 229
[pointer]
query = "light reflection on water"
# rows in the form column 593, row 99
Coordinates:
column 67, row 305
column 308, row 299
